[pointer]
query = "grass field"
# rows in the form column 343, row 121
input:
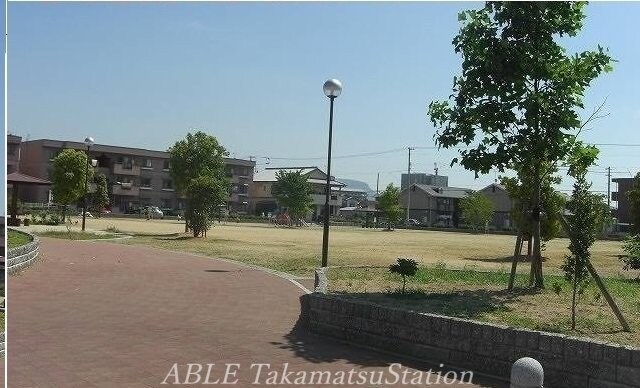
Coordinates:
column 482, row 296
column 461, row 274
column 298, row 250
column 16, row 239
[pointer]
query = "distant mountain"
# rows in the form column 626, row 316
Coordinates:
column 358, row 185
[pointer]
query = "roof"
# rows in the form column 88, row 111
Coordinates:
column 16, row 177
column 498, row 185
column 142, row 152
column 357, row 209
column 443, row 192
column 269, row 175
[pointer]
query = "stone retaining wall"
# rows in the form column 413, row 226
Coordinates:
column 480, row 347
column 24, row 255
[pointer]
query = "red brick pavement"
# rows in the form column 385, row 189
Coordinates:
column 98, row 314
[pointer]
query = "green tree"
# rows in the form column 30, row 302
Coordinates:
column 197, row 155
column 292, row 192
column 404, row 267
column 101, row 196
column 634, row 203
column 205, row 194
column 68, row 178
column 389, row 204
column 477, row 209
column 520, row 189
column 517, row 98
column 583, row 223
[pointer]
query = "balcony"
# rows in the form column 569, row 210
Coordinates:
column 126, row 189
column 119, row 169
column 318, row 199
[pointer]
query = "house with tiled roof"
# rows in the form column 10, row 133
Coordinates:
column 262, row 200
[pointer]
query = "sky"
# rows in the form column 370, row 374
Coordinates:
column 143, row 75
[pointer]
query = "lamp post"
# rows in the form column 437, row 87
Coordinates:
column 88, row 142
column 332, row 89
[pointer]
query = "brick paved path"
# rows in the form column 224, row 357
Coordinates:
column 98, row 314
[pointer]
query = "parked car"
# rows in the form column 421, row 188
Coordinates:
column 413, row 222
column 153, row 212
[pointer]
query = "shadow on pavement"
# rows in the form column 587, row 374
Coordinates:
column 320, row 349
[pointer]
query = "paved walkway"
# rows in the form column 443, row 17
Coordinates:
column 98, row 314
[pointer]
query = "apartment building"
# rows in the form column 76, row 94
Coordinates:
column 623, row 212
column 502, row 205
column 13, row 153
column 423, row 179
column 137, row 177
column 433, row 205
column 263, row 201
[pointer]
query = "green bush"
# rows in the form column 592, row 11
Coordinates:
column 632, row 247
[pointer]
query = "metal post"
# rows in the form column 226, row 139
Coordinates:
column 609, row 188
column 409, row 185
column 325, row 233
column 86, row 183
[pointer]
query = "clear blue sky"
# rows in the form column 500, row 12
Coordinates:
column 144, row 74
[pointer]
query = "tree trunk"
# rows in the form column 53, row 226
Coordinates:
column 536, row 261
column 514, row 264
column 573, row 299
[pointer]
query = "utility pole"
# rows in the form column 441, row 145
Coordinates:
column 378, row 184
column 409, row 183
column 609, row 188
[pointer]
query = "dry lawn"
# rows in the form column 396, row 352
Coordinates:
column 298, row 250
column 482, row 296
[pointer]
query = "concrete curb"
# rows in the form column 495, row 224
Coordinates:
column 23, row 256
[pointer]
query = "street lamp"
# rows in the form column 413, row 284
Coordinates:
column 88, row 142
column 332, row 89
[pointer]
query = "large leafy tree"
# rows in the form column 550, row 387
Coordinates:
column 197, row 155
column 634, row 203
column 205, row 194
column 519, row 93
column 477, row 209
column 389, row 204
column 292, row 191
column 68, row 177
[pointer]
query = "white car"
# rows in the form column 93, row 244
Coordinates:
column 153, row 212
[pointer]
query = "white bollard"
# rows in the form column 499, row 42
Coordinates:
column 320, row 281
column 527, row 373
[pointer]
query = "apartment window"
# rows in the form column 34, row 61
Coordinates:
column 167, row 184
column 126, row 162
column 146, row 163
column 334, row 197
column 165, row 165
column 145, row 182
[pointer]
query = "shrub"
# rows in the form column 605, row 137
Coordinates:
column 404, row 267
column 632, row 247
